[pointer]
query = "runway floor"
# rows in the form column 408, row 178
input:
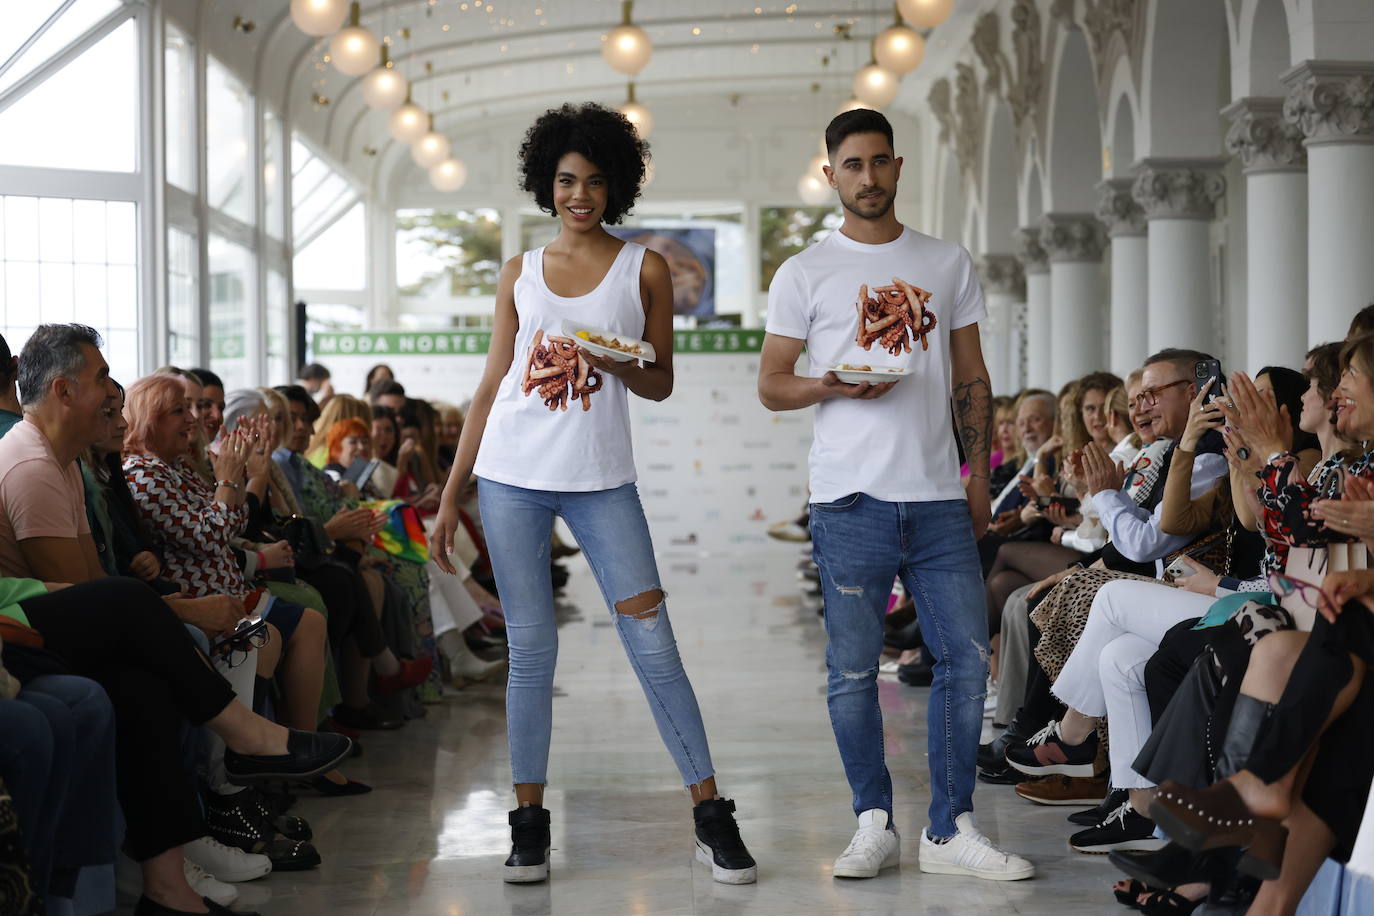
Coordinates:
column 431, row 839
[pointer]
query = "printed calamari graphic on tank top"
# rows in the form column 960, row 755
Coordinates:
column 557, row 368
column 893, row 316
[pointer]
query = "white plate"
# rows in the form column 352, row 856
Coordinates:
column 880, row 374
column 571, row 329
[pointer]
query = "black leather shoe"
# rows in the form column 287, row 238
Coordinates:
column 372, row 718
column 1001, row 776
column 1173, row 865
column 308, row 754
column 147, row 907
column 241, row 827
column 288, row 825
column 719, row 844
column 918, row 674
column 530, row 843
column 993, row 755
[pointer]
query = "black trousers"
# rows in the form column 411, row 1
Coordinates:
column 1167, row 668
column 350, row 607
column 120, row 633
column 1040, row 704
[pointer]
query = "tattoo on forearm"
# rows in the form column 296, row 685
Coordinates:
column 972, row 402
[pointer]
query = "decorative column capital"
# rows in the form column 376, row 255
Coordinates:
column 1033, row 258
column 1262, row 137
column 1118, row 209
column 1179, row 188
column 1331, row 101
column 1002, row 274
column 1072, row 237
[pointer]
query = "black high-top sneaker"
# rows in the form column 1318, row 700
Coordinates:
column 529, row 842
column 719, row 844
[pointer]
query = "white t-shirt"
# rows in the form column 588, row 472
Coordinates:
column 899, row 447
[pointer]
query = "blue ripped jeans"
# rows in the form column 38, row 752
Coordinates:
column 610, row 527
column 861, row 544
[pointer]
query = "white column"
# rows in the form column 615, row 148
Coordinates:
column 1130, row 301
column 1003, row 287
column 1016, row 349
column 1333, row 104
column 1035, row 263
column 1275, row 231
column 1179, row 198
column 1074, row 243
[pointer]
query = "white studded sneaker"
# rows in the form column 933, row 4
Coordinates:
column 875, row 846
column 970, row 853
column 226, row 863
column 205, row 884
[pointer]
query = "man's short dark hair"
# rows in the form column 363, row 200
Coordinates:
column 208, row 378
column 295, row 394
column 311, row 372
column 1182, row 359
column 53, row 351
column 385, row 386
column 6, row 357
column 858, row 121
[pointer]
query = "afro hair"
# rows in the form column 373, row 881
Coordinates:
column 601, row 135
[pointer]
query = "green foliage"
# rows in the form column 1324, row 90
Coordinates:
column 463, row 246
column 785, row 231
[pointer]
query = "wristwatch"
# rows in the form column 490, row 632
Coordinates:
column 227, row 483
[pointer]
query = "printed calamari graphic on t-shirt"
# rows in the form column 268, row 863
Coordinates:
column 558, row 368
column 894, row 316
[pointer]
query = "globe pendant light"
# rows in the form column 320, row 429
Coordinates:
column 385, row 88
column 407, row 123
column 899, row 48
column 813, row 190
column 431, row 149
column 638, row 115
column 817, row 165
column 449, row 175
column 925, row 14
column 354, row 49
column 874, row 86
column 318, row 18
column 627, row 47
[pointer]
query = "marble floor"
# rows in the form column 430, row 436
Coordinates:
column 430, row 840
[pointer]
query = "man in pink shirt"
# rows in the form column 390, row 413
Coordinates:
column 67, row 395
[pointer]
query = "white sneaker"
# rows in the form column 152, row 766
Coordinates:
column 226, row 863
column 887, row 669
column 990, row 704
column 968, row 852
column 207, row 886
column 875, row 846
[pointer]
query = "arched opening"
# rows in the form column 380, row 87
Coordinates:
column 1269, row 52
column 999, row 197
column 1074, row 156
column 1187, row 78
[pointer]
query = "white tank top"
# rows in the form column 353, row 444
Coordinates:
column 557, row 424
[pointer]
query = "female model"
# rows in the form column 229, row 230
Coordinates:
column 548, row 433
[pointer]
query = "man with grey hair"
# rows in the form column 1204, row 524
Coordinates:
column 67, row 395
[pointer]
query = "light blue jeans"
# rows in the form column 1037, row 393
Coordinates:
column 861, row 545
column 610, row 527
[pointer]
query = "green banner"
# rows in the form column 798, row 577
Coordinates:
column 476, row 343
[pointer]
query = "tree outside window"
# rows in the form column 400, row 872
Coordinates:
column 444, row 253
column 785, row 231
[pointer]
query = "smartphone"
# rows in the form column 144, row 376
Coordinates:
column 1205, row 370
column 1179, row 569
column 1070, row 505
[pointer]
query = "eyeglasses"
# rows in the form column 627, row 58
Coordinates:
column 1149, row 397
column 1284, row 586
column 235, row 649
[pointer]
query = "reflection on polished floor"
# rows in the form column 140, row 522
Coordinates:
column 430, row 840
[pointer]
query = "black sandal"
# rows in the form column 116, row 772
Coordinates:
column 1168, row 903
column 1131, row 895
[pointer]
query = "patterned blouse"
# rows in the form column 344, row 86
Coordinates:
column 195, row 529
column 1287, row 499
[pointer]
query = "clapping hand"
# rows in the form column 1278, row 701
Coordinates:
column 1353, row 515
column 1261, row 422
column 1100, row 472
column 231, row 460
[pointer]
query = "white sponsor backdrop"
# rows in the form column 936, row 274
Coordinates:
column 715, row 467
